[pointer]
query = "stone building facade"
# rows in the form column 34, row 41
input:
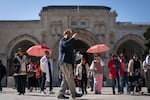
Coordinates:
column 94, row 25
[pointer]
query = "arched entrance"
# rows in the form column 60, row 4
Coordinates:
column 81, row 46
column 23, row 44
column 23, row 41
column 84, row 40
column 130, row 44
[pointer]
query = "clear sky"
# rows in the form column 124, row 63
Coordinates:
column 128, row 10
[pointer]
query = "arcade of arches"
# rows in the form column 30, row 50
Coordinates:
column 127, row 47
column 98, row 27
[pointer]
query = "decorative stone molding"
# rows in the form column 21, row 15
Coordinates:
column 19, row 39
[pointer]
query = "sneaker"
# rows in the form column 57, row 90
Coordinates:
column 43, row 92
column 62, row 97
column 119, row 93
column 19, row 93
column 31, row 89
column 67, row 92
column 140, row 93
column 132, row 93
column 51, row 92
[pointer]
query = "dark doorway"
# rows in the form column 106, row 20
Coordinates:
column 81, row 46
column 128, row 48
column 24, row 45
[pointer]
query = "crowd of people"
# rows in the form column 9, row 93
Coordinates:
column 122, row 73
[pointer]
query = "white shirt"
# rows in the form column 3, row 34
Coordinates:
column 44, row 67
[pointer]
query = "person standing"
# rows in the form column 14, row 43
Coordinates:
column 146, row 66
column 65, row 61
column 2, row 73
column 115, row 73
column 82, row 72
column 20, row 73
column 125, row 73
column 97, row 67
column 46, row 69
column 135, row 69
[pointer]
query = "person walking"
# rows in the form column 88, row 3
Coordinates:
column 82, row 72
column 135, row 69
column 65, row 61
column 115, row 73
column 2, row 73
column 20, row 61
column 125, row 73
column 146, row 66
column 97, row 67
column 46, row 69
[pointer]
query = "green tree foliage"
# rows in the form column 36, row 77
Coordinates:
column 147, row 41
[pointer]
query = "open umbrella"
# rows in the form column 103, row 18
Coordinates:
column 37, row 50
column 97, row 48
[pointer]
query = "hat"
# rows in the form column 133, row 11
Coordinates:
column 20, row 49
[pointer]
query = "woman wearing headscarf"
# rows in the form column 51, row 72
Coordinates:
column 135, row 69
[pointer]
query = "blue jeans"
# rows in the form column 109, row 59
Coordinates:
column 118, row 82
column 125, row 82
column 92, row 82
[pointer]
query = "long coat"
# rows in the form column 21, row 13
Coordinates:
column 20, row 65
column 112, row 69
column 45, row 68
column 79, row 70
column 130, row 67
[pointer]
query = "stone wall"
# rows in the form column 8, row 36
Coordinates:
column 94, row 24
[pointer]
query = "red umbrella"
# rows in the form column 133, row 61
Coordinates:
column 38, row 50
column 97, row 48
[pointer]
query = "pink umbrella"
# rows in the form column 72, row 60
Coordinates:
column 97, row 48
column 38, row 50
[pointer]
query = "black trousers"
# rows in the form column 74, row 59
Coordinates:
column 43, row 82
column 20, row 83
column 135, row 82
column 84, row 84
column 118, row 82
column 50, row 83
column 0, row 83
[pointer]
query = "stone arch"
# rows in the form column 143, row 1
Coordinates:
column 24, row 41
column 129, row 44
column 19, row 39
column 84, row 37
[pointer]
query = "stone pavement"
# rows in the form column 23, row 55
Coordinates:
column 11, row 94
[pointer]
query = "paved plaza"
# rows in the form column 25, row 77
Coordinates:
column 11, row 94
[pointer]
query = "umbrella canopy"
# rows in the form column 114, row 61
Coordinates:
column 37, row 50
column 97, row 48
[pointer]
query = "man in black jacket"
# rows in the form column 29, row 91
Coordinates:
column 2, row 73
column 65, row 61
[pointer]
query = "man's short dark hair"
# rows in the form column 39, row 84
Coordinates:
column 46, row 52
column 67, row 31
